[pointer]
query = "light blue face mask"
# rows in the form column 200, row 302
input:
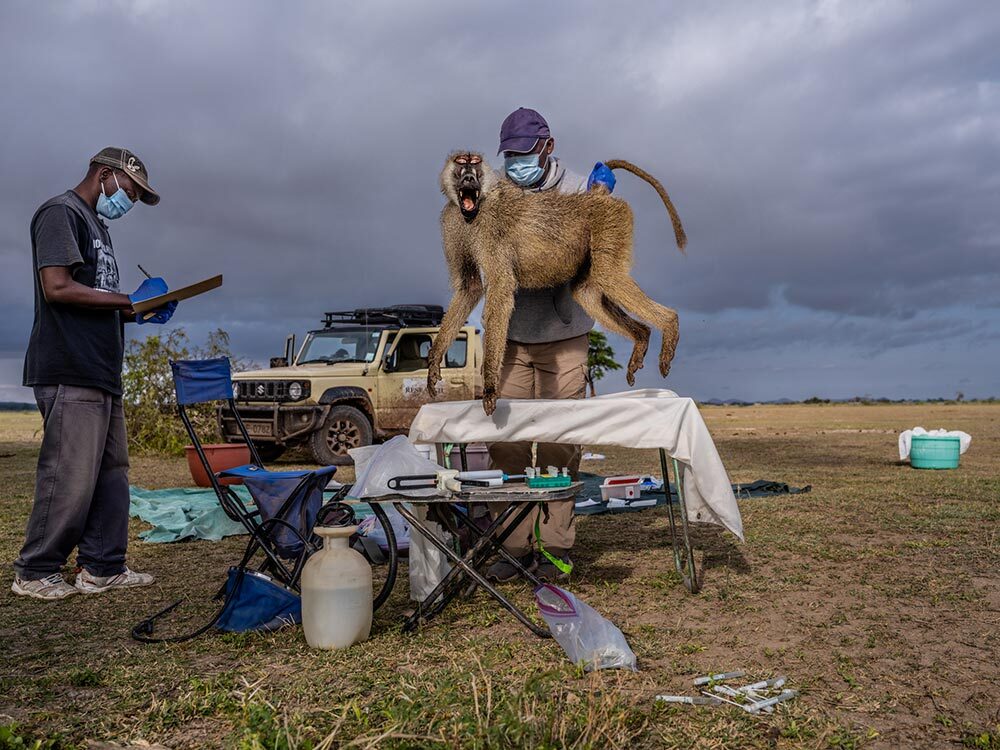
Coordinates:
column 117, row 205
column 524, row 169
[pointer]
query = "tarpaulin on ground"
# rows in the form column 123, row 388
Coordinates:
column 589, row 502
column 180, row 513
column 184, row 513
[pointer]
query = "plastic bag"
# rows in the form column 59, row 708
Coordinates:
column 427, row 564
column 586, row 637
column 375, row 465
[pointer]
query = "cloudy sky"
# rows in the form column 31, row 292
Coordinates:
column 836, row 165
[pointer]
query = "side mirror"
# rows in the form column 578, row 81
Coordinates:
column 286, row 361
column 389, row 362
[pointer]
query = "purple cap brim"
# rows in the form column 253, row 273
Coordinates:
column 518, row 145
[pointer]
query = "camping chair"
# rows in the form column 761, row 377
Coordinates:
column 288, row 504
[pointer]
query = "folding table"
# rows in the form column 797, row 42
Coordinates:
column 518, row 501
column 649, row 418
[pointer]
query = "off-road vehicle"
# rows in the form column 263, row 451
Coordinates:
column 360, row 378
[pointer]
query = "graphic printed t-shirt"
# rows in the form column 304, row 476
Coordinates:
column 72, row 345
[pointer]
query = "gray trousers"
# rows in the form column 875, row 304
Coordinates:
column 81, row 488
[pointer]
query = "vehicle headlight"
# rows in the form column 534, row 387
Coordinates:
column 295, row 390
column 236, row 390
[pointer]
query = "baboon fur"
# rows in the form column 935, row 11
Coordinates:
column 499, row 238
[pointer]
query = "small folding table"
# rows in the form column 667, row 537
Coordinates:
column 518, row 501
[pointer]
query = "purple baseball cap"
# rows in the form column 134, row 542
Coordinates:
column 521, row 131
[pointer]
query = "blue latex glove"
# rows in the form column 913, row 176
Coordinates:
column 601, row 176
column 147, row 290
column 160, row 315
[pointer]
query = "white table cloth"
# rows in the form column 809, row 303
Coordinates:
column 650, row 418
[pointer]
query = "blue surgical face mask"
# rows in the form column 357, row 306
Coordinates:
column 117, row 205
column 524, row 170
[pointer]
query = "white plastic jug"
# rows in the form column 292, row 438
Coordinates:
column 336, row 592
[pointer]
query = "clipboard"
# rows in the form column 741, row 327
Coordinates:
column 176, row 295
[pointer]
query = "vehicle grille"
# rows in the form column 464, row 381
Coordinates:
column 269, row 390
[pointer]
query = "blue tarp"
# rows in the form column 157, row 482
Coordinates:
column 192, row 513
column 180, row 513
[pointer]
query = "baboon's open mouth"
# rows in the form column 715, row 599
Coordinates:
column 468, row 201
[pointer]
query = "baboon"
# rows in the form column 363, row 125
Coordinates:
column 508, row 238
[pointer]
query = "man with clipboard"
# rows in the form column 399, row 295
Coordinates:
column 74, row 364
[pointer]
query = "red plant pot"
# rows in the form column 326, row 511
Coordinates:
column 221, row 456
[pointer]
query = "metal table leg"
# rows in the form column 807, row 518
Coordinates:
column 461, row 565
column 449, row 587
column 475, row 556
column 513, row 561
column 683, row 554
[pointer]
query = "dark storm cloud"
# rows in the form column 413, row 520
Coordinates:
column 832, row 162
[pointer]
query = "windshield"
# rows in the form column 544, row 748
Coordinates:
column 339, row 346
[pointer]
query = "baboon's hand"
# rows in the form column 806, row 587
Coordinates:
column 433, row 378
column 489, row 401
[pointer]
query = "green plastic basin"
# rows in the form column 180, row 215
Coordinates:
column 934, row 452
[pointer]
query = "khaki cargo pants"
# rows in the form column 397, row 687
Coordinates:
column 553, row 370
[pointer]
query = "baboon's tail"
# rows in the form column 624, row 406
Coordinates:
column 643, row 174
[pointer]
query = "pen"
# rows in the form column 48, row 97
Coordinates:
column 151, row 313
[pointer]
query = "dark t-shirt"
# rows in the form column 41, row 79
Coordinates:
column 72, row 345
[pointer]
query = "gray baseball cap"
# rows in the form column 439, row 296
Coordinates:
column 129, row 163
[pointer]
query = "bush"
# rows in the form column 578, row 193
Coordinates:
column 148, row 391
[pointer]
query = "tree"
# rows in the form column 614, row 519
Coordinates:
column 148, row 390
column 600, row 358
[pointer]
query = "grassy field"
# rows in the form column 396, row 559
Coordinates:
column 877, row 594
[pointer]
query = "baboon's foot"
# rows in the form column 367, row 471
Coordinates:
column 433, row 378
column 633, row 365
column 489, row 401
column 635, row 362
column 667, row 354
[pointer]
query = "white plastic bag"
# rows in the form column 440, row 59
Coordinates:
column 586, row 637
column 375, row 465
column 427, row 564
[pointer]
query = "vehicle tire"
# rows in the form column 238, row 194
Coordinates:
column 270, row 451
column 344, row 427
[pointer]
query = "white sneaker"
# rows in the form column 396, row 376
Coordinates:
column 51, row 587
column 87, row 583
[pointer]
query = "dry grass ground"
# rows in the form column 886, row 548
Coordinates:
column 877, row 594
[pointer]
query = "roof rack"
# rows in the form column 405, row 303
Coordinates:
column 401, row 315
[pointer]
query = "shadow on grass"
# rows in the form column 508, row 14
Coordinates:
column 719, row 549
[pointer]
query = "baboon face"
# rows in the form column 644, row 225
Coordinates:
column 465, row 180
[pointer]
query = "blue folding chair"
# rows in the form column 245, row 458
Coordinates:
column 288, row 503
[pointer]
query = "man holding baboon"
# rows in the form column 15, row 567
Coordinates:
column 546, row 354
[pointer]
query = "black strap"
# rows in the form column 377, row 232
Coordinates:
column 143, row 631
